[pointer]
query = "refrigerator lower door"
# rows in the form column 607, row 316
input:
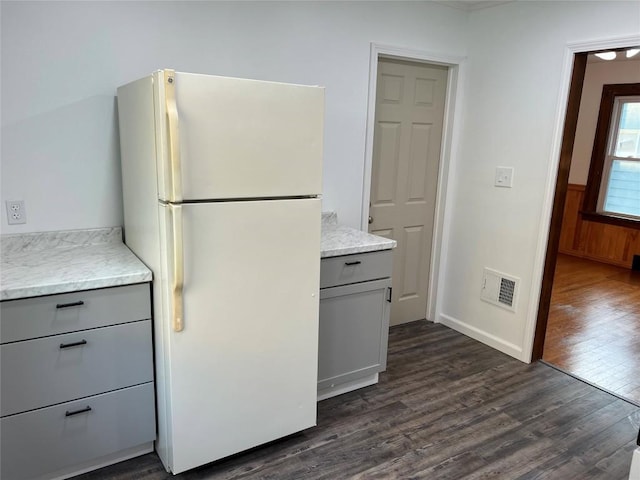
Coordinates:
column 243, row 370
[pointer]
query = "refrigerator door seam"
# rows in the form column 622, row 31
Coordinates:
column 239, row 199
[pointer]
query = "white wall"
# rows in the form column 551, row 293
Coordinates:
column 515, row 67
column 596, row 75
column 62, row 62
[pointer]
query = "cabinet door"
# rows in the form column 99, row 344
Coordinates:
column 354, row 329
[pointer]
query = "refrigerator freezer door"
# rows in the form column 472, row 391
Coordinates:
column 241, row 138
column 244, row 368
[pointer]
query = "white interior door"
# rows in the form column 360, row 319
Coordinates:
column 410, row 102
column 246, row 138
column 244, row 369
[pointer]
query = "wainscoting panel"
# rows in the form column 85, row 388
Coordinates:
column 602, row 242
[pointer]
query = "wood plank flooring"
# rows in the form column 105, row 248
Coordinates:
column 448, row 407
column 593, row 330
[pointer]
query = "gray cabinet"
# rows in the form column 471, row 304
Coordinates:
column 47, row 441
column 354, row 321
column 77, row 387
column 69, row 312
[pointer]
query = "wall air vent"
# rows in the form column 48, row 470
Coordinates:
column 499, row 289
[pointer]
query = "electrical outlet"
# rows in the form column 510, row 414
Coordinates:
column 16, row 214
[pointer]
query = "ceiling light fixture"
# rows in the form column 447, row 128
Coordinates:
column 632, row 52
column 606, row 55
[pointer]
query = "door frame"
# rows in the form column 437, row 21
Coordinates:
column 556, row 184
column 451, row 132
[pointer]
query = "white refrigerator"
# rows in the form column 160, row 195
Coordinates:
column 221, row 185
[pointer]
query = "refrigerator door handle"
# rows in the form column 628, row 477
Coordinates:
column 178, row 267
column 173, row 135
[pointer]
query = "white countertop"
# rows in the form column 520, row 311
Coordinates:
column 46, row 263
column 339, row 240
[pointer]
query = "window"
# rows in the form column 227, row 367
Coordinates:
column 613, row 187
column 620, row 189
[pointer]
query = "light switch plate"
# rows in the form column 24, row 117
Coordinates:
column 504, row 177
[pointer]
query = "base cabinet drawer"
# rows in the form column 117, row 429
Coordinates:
column 68, row 312
column 359, row 267
column 36, row 444
column 50, row 370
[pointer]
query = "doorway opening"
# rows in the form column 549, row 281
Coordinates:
column 588, row 322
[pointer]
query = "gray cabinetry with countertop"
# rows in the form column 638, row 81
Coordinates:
column 355, row 294
column 77, row 388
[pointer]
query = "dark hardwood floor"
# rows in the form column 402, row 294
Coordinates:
column 448, row 407
column 593, row 330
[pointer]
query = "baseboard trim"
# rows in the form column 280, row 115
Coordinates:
column 616, row 263
column 100, row 462
column 484, row 337
column 348, row 386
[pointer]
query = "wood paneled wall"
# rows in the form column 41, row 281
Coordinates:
column 597, row 241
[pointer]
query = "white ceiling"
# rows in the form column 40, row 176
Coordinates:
column 471, row 5
column 619, row 58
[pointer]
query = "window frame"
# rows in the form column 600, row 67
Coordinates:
column 601, row 144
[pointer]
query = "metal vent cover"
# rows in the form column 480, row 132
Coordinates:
column 507, row 290
column 499, row 289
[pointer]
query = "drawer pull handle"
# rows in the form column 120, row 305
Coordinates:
column 76, row 412
column 67, row 305
column 350, row 264
column 390, row 293
column 74, row 344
